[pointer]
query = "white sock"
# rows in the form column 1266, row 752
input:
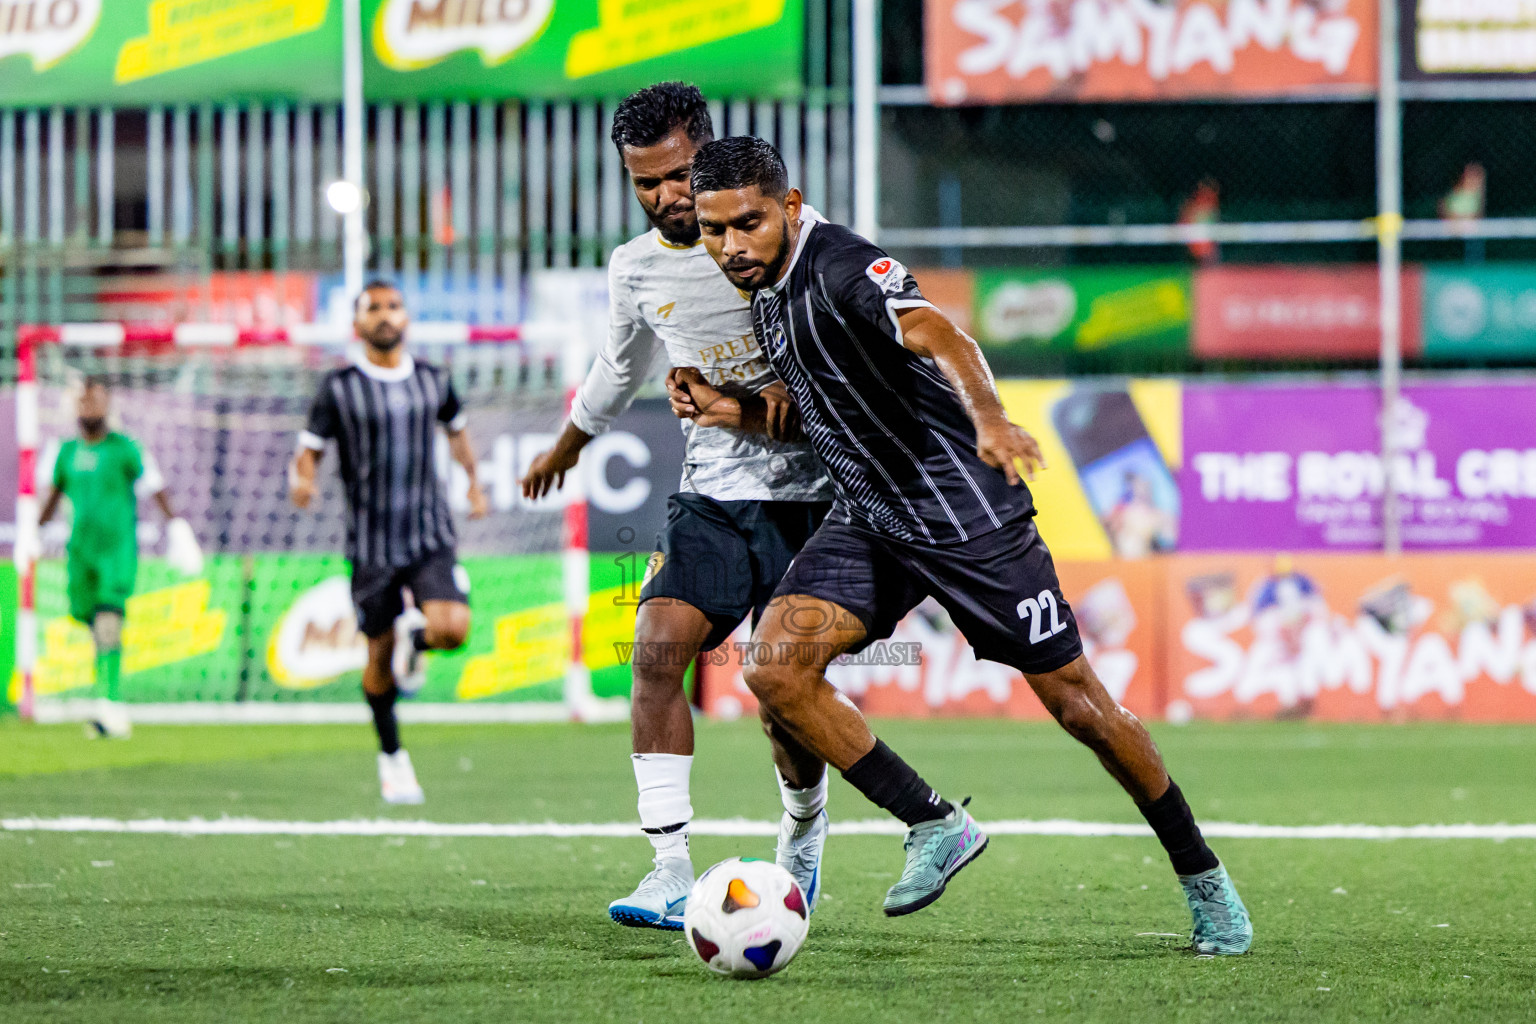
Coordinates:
column 664, row 807
column 803, row 804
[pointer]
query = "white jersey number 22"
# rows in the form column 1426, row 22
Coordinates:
column 1033, row 609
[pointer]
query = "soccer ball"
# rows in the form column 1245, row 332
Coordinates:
column 746, row 918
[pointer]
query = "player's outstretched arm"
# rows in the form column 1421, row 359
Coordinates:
column 463, row 452
column 50, row 506
column 548, row 468
column 771, row 411
column 1005, row 445
column 301, row 477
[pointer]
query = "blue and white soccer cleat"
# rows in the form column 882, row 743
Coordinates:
column 659, row 900
column 1222, row 926
column 799, row 853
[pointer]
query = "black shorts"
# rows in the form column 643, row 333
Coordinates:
column 726, row 557
column 1000, row 589
column 376, row 589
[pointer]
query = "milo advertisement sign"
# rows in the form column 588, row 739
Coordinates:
column 1029, row 319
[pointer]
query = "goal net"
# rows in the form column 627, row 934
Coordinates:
column 266, row 631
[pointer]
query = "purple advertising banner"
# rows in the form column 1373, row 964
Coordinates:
column 1299, row 468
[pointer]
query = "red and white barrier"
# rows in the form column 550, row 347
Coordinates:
column 125, row 335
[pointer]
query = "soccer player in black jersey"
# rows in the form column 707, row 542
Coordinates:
column 383, row 411
column 901, row 407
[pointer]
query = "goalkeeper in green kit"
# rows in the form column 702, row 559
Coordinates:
column 102, row 472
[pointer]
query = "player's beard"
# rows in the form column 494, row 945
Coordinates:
column 384, row 341
column 677, row 230
column 771, row 268
column 91, row 426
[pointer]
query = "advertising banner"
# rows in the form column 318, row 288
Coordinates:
column 282, row 628
column 1286, row 312
column 1265, row 469
column 1018, row 51
column 1322, row 637
column 1113, row 451
column 139, row 52
column 1443, row 40
column 1080, row 309
column 424, row 49
column 1480, row 312
column 7, row 631
column 1352, row 637
column 244, row 298
column 927, row 669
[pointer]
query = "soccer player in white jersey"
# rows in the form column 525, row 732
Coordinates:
column 751, row 495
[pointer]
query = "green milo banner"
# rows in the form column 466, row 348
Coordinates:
column 275, row 627
column 454, row 49
column 1023, row 314
column 141, row 52
column 7, row 633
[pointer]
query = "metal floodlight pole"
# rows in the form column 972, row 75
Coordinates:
column 866, row 118
column 1389, row 249
column 354, row 245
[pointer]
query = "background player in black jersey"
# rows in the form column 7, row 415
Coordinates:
column 383, row 412
column 901, row 407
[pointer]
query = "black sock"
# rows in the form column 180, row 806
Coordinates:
column 419, row 640
column 384, row 720
column 1173, row 821
column 891, row 783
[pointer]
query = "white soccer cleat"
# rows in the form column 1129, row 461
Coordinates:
column 659, row 900
column 799, row 853
column 409, row 664
column 397, row 779
column 109, row 719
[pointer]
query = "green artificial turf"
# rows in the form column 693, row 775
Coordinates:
column 112, row 927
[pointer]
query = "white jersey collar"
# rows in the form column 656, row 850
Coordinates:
column 809, row 218
column 387, row 375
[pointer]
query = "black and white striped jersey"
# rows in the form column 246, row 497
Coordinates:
column 384, row 422
column 895, row 439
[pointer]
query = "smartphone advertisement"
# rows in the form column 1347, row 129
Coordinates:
column 1113, row 451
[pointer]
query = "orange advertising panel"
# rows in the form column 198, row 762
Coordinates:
column 927, row 669
column 1002, row 51
column 1332, row 637
column 1352, row 637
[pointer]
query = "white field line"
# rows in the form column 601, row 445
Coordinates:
column 726, row 827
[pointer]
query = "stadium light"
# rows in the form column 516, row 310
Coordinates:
column 345, row 197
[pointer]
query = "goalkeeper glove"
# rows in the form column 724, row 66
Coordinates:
column 181, row 549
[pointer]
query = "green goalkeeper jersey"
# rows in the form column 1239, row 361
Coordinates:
column 98, row 479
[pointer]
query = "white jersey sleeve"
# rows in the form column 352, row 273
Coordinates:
column 624, row 363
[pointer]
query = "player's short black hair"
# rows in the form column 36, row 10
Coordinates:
column 95, row 380
column 375, row 284
column 646, row 117
column 739, row 162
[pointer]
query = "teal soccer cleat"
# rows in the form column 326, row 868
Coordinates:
column 1222, row 925
column 936, row 851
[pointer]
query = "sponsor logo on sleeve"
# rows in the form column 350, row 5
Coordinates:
column 888, row 274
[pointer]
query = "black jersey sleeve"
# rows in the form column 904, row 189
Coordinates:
column 450, row 411
column 867, row 286
column 324, row 418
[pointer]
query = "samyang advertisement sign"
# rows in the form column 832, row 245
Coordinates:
column 1018, row 51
